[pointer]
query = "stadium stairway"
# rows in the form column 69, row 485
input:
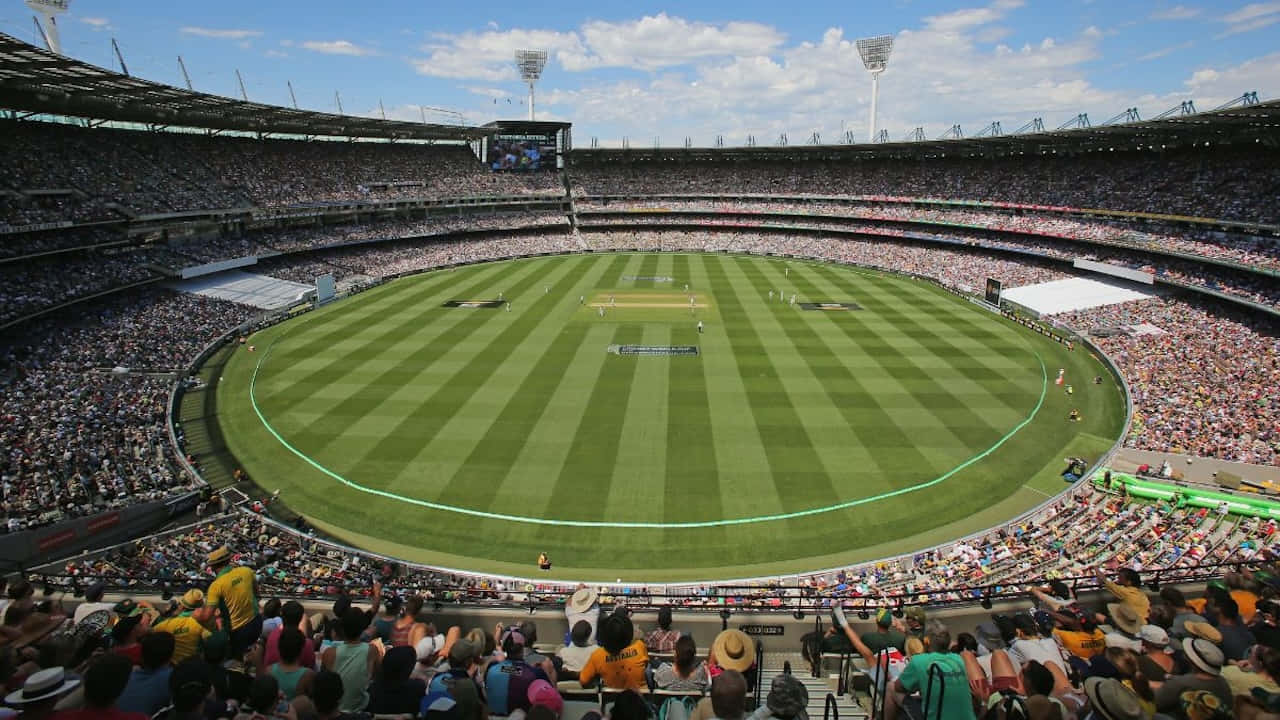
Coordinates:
column 818, row 687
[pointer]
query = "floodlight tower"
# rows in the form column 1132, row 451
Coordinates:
column 530, row 64
column 875, row 57
column 49, row 10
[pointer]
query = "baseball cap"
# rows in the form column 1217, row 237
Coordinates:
column 1154, row 635
column 884, row 618
column 541, row 693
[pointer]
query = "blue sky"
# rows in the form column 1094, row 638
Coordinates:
column 700, row 68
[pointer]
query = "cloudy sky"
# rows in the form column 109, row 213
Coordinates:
column 700, row 68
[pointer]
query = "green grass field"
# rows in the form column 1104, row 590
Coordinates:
column 794, row 440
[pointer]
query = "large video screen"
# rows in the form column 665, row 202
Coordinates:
column 522, row 151
column 994, row 288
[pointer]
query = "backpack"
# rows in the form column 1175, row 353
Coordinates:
column 677, row 708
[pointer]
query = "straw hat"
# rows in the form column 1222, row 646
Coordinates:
column 1125, row 618
column 1203, row 630
column 1111, row 699
column 42, row 685
column 1204, row 655
column 581, row 601
column 192, row 599
column 734, row 650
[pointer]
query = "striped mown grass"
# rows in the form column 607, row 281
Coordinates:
column 376, row 413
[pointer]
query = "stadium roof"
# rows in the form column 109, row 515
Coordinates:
column 37, row 81
column 1258, row 122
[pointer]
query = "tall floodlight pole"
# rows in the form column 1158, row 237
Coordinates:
column 530, row 64
column 875, row 58
column 49, row 10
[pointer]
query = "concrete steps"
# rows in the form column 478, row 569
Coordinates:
column 818, row 687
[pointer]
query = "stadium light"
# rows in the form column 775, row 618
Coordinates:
column 530, row 64
column 49, row 11
column 875, row 58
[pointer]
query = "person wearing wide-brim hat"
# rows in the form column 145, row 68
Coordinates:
column 41, row 691
column 1126, row 624
column 732, row 650
column 583, row 604
column 1109, row 699
column 1206, row 662
column 236, row 588
column 190, row 628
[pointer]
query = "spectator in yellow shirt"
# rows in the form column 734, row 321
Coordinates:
column 236, row 588
column 189, row 628
column 620, row 660
column 1127, row 589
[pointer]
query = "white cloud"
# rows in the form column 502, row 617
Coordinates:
column 97, row 23
column 276, row 54
column 1162, row 52
column 219, row 33
column 943, row 72
column 1211, row 87
column 490, row 55
column 658, row 41
column 1253, row 16
column 337, row 47
column 649, row 43
column 1177, row 12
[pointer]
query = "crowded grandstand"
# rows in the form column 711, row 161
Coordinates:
column 149, row 576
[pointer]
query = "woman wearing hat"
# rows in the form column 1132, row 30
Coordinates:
column 733, row 650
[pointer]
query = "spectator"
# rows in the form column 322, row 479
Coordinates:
column 264, row 700
column 353, row 659
column 190, row 685
column 148, row 688
column 237, row 589
column 884, row 635
column 293, row 677
column 1109, row 699
column 788, row 699
column 732, row 650
column 1156, row 661
column 1205, row 673
column 662, row 639
column 1127, row 588
column 506, row 683
column 394, row 692
column 952, row 701
column 620, row 660
column 727, row 701
column 133, row 621
column 575, row 654
column 583, row 604
column 104, row 681
column 1182, row 613
column 190, row 627
column 686, row 672
column 41, row 691
column 292, row 615
column 1126, row 624
column 1236, row 638
column 92, row 602
column 1260, row 669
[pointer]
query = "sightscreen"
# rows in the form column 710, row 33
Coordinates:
column 993, row 291
column 522, row 152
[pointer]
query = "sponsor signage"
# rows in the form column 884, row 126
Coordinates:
column 103, row 522
column 762, row 629
column 58, row 539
